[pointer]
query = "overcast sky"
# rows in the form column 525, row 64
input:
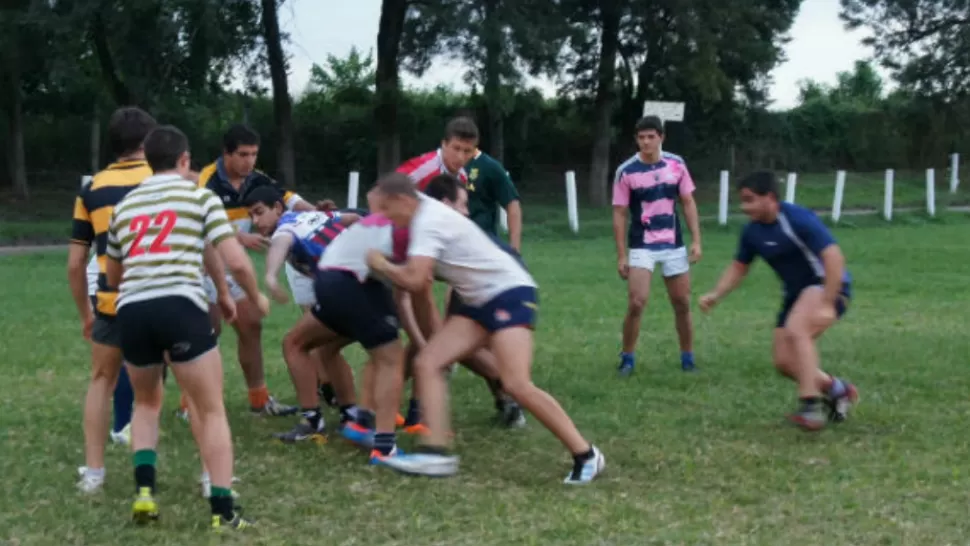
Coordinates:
column 819, row 49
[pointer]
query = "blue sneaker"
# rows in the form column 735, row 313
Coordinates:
column 626, row 365
column 423, row 464
column 379, row 459
column 687, row 362
column 356, row 434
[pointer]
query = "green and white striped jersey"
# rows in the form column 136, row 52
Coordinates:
column 158, row 233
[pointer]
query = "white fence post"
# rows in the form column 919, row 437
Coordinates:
column 931, row 192
column 887, row 200
column 353, row 188
column 954, row 172
column 839, row 192
column 85, row 179
column 790, row 187
column 722, row 207
column 572, row 206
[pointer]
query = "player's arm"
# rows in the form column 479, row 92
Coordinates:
column 405, row 311
column 508, row 197
column 295, row 202
column 82, row 236
column 347, row 219
column 279, row 249
column 810, row 229
column 220, row 234
column 621, row 214
column 735, row 272
column 686, row 188
column 414, row 275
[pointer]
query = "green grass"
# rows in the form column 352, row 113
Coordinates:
column 692, row 459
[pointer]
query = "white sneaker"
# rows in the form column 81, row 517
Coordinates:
column 207, row 486
column 91, row 481
column 585, row 471
column 423, row 464
column 123, row 436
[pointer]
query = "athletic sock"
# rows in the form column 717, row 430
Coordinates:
column 313, row 417
column 384, row 442
column 221, row 502
column 414, row 413
column 258, row 397
column 327, row 395
column 366, row 418
column 144, row 461
column 837, row 388
column 348, row 413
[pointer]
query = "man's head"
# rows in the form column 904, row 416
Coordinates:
column 649, row 134
column 167, row 150
column 265, row 205
column 240, row 147
column 448, row 190
column 759, row 196
column 459, row 144
column 396, row 198
column 127, row 130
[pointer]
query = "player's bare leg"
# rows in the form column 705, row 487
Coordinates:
column 360, row 431
column 809, row 318
column 298, row 351
column 678, row 291
column 388, row 362
column 638, row 292
column 105, row 367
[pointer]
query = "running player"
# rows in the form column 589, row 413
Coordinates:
column 127, row 129
column 230, row 177
column 354, row 306
column 300, row 238
column 156, row 245
column 498, row 308
column 648, row 185
column 817, row 288
column 448, row 190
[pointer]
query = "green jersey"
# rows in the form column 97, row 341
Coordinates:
column 489, row 187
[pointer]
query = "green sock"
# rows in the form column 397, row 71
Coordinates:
column 145, row 460
column 146, row 457
column 221, row 492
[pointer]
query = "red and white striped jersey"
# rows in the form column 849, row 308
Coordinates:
column 423, row 168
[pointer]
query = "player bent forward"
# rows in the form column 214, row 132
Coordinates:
column 157, row 245
column 817, row 288
column 499, row 304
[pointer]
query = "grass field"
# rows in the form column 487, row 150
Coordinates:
column 692, row 459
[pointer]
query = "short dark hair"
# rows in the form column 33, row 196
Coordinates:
column 396, row 183
column 164, row 147
column 265, row 194
column 461, row 128
column 443, row 186
column 127, row 129
column 239, row 135
column 650, row 123
column 760, row 183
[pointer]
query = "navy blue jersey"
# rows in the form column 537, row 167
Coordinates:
column 792, row 246
column 311, row 233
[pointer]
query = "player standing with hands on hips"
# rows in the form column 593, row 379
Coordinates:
column 647, row 187
column 817, row 288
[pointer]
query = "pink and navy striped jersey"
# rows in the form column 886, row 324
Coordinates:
column 312, row 233
column 651, row 192
column 423, row 168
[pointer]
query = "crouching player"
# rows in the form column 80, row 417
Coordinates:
column 157, row 244
column 817, row 287
column 499, row 304
column 300, row 238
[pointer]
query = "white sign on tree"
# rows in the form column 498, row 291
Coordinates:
column 666, row 111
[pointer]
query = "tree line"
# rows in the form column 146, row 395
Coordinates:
column 65, row 64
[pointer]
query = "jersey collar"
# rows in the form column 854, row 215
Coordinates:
column 224, row 177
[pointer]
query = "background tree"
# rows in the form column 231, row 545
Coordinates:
column 282, row 107
column 388, row 86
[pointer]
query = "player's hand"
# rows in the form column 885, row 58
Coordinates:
column 276, row 292
column 375, row 260
column 708, row 301
column 227, row 304
column 695, row 253
column 253, row 241
column 262, row 303
column 623, row 268
column 326, row 205
column 87, row 325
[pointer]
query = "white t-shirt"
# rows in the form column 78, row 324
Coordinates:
column 467, row 258
column 349, row 251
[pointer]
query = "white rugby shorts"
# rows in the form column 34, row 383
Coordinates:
column 673, row 261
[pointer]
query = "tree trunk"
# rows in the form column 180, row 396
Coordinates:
column 388, row 88
column 492, row 39
column 95, row 139
column 120, row 92
column 11, row 99
column 282, row 106
column 603, row 105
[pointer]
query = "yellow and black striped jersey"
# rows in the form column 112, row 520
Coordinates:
column 214, row 178
column 92, row 216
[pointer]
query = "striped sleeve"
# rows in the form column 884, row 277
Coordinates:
column 113, row 248
column 215, row 225
column 82, row 231
column 291, row 198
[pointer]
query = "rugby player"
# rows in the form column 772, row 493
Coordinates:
column 817, row 288
column 157, row 247
column 230, row 177
column 647, row 186
column 498, row 309
column 300, row 238
column 127, row 129
column 355, row 306
column 489, row 188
